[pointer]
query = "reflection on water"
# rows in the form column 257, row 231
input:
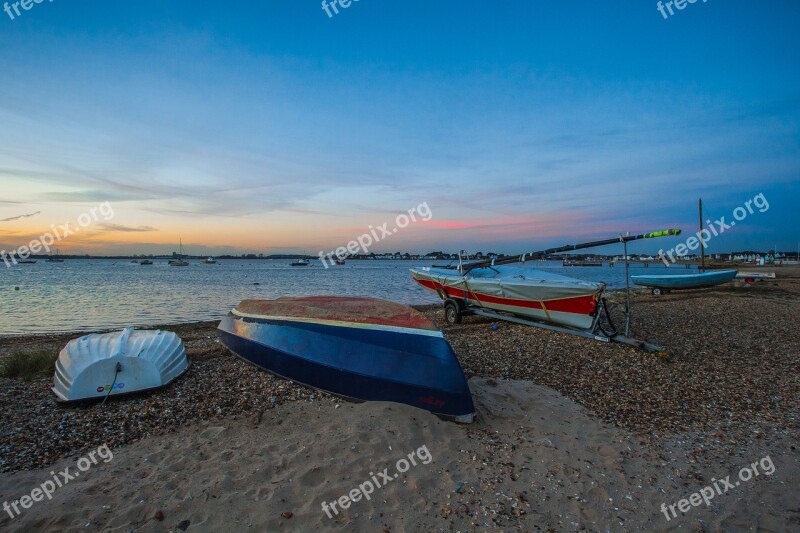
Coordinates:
column 80, row 295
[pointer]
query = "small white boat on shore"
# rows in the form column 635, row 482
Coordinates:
column 755, row 276
column 110, row 364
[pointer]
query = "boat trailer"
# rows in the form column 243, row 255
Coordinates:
column 455, row 309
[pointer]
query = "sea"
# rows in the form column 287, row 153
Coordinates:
column 95, row 294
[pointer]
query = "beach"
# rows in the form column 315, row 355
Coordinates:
column 572, row 434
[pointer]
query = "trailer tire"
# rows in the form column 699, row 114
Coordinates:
column 657, row 292
column 452, row 314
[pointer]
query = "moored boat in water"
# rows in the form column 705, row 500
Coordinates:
column 179, row 261
column 56, row 258
column 362, row 349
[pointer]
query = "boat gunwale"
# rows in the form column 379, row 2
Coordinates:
column 598, row 291
column 588, row 287
column 341, row 324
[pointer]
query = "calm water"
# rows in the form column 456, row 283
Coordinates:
column 80, row 295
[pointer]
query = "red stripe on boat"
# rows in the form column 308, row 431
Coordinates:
column 579, row 305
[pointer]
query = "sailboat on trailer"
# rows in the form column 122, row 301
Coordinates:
column 502, row 289
column 522, row 291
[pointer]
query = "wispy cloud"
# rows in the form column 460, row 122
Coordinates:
column 18, row 217
column 95, row 196
column 127, row 229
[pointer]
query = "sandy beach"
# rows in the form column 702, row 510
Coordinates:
column 572, row 435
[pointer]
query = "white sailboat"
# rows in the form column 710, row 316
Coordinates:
column 55, row 259
column 179, row 262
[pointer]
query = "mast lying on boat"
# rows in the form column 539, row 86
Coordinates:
column 568, row 248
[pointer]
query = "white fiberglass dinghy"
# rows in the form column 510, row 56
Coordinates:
column 110, row 364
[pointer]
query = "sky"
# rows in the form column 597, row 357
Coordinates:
column 272, row 127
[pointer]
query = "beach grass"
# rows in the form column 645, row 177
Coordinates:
column 27, row 365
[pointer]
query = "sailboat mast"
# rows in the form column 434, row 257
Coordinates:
column 702, row 243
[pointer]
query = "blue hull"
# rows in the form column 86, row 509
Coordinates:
column 356, row 362
column 691, row 281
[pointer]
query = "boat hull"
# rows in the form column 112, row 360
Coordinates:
column 524, row 292
column 690, row 281
column 113, row 364
column 357, row 361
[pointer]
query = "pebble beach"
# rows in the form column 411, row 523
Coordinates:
column 572, row 434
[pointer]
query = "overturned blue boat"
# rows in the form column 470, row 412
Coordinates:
column 362, row 349
column 660, row 284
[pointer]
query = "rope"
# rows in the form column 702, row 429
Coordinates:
column 614, row 331
column 119, row 369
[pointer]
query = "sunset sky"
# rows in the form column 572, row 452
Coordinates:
column 270, row 127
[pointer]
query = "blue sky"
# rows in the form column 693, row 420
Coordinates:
column 270, row 127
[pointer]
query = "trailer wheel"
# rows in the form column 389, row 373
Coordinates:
column 452, row 314
column 657, row 292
